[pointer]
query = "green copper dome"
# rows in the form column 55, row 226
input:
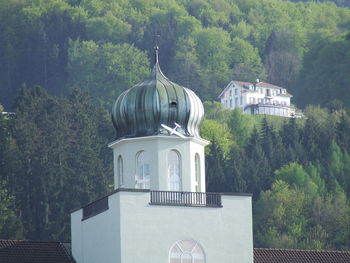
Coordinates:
column 142, row 109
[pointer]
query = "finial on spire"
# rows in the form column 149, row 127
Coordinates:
column 156, row 47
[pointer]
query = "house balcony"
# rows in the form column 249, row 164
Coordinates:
column 268, row 108
column 174, row 198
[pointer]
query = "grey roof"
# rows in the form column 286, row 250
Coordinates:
column 273, row 255
column 140, row 110
column 21, row 251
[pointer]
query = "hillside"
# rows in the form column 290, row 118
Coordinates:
column 104, row 47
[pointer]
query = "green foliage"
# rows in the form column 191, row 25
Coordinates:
column 214, row 131
column 215, row 111
column 204, row 44
column 328, row 73
column 10, row 225
column 295, row 175
column 50, row 141
column 279, row 212
column 106, row 70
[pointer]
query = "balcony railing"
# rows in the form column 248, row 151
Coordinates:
column 185, row 199
column 95, row 208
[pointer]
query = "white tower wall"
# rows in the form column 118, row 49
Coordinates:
column 157, row 148
column 133, row 231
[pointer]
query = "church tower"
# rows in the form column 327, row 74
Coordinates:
column 158, row 145
column 160, row 210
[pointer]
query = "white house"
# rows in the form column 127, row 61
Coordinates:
column 258, row 98
column 159, row 210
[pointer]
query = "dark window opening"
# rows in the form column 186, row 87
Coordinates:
column 173, row 104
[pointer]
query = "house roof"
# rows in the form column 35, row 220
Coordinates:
column 259, row 84
column 20, row 251
column 17, row 251
column 272, row 255
column 268, row 85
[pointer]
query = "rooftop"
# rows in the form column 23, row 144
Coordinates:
column 20, row 251
column 272, row 255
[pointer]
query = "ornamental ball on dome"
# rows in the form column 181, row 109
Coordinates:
column 146, row 108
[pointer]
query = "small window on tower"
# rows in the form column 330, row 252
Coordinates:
column 120, row 171
column 197, row 165
column 174, row 171
column 142, row 171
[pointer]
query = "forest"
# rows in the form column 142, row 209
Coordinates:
column 64, row 62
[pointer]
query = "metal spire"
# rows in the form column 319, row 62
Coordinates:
column 156, row 47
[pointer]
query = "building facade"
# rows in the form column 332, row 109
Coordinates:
column 258, row 98
column 160, row 210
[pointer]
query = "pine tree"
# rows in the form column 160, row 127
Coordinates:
column 257, row 171
column 215, row 169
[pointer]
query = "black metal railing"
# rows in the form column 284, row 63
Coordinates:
column 95, row 208
column 185, row 198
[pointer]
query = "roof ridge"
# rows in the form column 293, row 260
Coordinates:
column 39, row 241
column 308, row 250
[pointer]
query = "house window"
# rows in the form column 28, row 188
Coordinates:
column 197, row 168
column 142, row 171
column 230, row 92
column 186, row 251
column 174, row 171
column 241, row 101
column 236, row 92
column 230, row 103
column 236, row 102
column 120, row 171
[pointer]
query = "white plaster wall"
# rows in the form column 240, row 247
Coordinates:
column 157, row 149
column 76, row 235
column 97, row 239
column 148, row 232
column 132, row 231
column 283, row 98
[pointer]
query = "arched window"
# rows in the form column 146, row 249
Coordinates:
column 197, row 172
column 174, row 171
column 142, row 171
column 120, row 171
column 186, row 251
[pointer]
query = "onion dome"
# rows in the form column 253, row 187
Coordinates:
column 155, row 106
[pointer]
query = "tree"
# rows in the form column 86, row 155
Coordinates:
column 104, row 71
column 257, row 172
column 55, row 137
column 240, row 125
column 279, row 217
column 215, row 111
column 10, row 224
column 245, row 61
column 283, row 59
